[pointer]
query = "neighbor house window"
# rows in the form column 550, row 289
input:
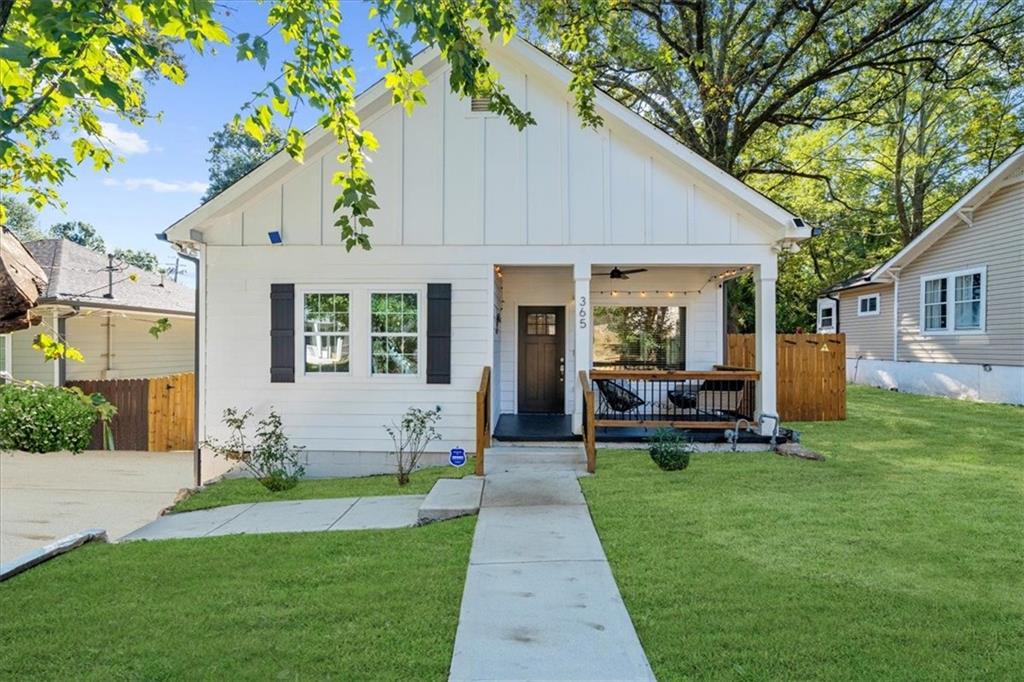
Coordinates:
column 827, row 317
column 954, row 302
column 868, row 304
column 325, row 324
column 640, row 337
column 394, row 333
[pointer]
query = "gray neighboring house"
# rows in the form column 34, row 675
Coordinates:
column 106, row 315
column 945, row 315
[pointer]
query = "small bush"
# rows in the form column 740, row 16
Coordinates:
column 669, row 450
column 44, row 419
column 271, row 459
column 411, row 437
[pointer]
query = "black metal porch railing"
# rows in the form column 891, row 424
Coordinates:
column 653, row 398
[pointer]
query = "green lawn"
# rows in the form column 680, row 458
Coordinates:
column 361, row 605
column 239, row 490
column 900, row 557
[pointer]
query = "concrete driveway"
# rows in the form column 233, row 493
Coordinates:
column 47, row 496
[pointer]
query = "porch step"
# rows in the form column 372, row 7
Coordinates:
column 504, row 458
column 450, row 498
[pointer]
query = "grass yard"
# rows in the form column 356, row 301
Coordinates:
column 900, row 557
column 244, row 490
column 379, row 605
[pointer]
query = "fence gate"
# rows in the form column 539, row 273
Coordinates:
column 810, row 373
column 156, row 414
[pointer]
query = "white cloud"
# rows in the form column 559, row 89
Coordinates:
column 162, row 186
column 123, row 141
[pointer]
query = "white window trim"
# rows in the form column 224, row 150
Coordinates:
column 300, row 333
column 827, row 305
column 8, row 363
column 950, row 278
column 421, row 333
column 869, row 313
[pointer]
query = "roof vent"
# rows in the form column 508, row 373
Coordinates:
column 480, row 105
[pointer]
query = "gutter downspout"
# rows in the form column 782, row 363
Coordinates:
column 895, row 314
column 197, row 460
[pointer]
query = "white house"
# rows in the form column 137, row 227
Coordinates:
column 105, row 309
column 492, row 248
column 945, row 315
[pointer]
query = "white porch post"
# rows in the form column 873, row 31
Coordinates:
column 764, row 297
column 582, row 332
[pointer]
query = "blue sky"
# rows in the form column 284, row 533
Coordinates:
column 164, row 171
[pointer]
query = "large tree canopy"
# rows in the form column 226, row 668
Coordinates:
column 722, row 75
column 233, row 153
column 80, row 233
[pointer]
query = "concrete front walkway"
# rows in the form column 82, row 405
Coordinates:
column 294, row 516
column 540, row 601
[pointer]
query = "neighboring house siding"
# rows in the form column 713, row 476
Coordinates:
column 995, row 241
column 135, row 352
column 28, row 364
column 867, row 336
column 329, row 413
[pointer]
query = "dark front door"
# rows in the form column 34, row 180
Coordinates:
column 542, row 359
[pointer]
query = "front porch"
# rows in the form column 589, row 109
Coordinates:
column 613, row 352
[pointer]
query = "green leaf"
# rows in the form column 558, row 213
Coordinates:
column 134, row 13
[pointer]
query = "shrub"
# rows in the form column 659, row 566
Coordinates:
column 44, row 419
column 411, row 437
column 669, row 450
column 271, row 459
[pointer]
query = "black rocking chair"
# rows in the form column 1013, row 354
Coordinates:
column 619, row 398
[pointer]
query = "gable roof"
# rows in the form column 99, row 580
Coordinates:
column 957, row 213
column 860, row 279
column 78, row 276
column 376, row 97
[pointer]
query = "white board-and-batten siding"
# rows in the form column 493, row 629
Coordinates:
column 459, row 193
column 449, row 176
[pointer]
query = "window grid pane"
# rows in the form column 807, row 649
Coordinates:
column 935, row 305
column 326, row 323
column 967, row 297
column 394, row 333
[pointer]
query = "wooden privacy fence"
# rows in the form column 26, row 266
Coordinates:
column 810, row 373
column 155, row 414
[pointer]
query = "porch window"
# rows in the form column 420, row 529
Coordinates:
column 325, row 320
column 639, row 337
column 394, row 333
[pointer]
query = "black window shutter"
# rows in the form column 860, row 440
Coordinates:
column 439, row 333
column 282, row 333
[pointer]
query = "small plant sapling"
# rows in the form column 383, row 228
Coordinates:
column 269, row 456
column 411, row 436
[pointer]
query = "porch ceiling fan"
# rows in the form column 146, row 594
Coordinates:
column 616, row 273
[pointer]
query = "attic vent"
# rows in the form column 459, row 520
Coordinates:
column 480, row 105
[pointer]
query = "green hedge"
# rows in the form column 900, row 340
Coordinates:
column 44, row 419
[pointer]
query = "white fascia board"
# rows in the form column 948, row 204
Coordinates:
column 953, row 215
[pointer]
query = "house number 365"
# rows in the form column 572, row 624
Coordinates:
column 583, row 312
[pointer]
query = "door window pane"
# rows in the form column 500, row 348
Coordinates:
column 541, row 324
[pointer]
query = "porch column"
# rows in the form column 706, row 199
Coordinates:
column 764, row 304
column 580, row 323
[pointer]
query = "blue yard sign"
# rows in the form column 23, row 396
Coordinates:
column 457, row 457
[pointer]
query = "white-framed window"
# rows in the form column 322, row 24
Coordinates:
column 326, row 332
column 394, row 333
column 826, row 315
column 5, row 355
column 954, row 302
column 868, row 304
